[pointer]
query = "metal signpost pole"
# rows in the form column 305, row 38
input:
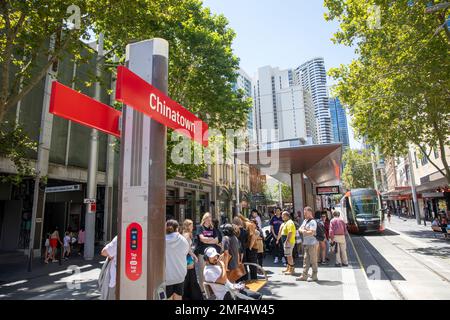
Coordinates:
column 142, row 187
column 91, row 193
column 37, row 215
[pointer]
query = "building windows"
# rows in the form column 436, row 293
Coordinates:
column 424, row 159
column 415, row 160
column 436, row 153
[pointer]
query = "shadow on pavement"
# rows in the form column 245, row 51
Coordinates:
column 52, row 281
column 329, row 283
column 426, row 235
column 443, row 252
column 375, row 265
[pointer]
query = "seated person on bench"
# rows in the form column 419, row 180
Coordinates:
column 435, row 225
column 440, row 226
column 215, row 272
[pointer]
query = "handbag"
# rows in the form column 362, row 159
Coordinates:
column 103, row 274
column 260, row 245
column 239, row 272
column 333, row 247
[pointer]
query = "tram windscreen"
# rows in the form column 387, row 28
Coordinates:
column 365, row 206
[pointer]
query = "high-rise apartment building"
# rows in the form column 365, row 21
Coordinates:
column 339, row 122
column 312, row 77
column 283, row 108
column 244, row 82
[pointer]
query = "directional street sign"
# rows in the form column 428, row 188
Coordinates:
column 73, row 105
column 133, row 91
column 142, row 96
column 142, row 191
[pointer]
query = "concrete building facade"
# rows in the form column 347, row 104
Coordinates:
column 282, row 107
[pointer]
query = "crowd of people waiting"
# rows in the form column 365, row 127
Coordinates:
column 219, row 250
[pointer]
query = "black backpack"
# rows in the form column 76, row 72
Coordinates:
column 320, row 231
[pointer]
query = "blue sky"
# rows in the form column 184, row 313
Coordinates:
column 282, row 33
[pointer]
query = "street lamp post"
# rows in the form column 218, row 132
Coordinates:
column 413, row 188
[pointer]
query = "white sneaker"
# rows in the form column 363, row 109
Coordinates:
column 275, row 260
column 284, row 260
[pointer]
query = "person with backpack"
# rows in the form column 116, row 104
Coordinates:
column 310, row 243
column 338, row 230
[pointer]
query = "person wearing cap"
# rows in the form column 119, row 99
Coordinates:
column 215, row 272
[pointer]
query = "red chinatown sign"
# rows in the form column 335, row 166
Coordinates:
column 134, row 92
column 137, row 93
column 72, row 105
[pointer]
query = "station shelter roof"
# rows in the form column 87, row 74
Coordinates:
column 320, row 163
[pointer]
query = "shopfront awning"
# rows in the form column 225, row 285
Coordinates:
column 432, row 186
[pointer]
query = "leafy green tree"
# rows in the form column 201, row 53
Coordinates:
column 397, row 90
column 357, row 171
column 286, row 193
column 202, row 67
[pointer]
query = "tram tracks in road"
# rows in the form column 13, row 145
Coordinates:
column 388, row 273
column 396, row 288
column 441, row 276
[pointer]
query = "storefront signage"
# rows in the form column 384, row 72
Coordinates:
column 76, row 187
column 187, row 185
column 143, row 97
column 433, row 195
column 90, row 201
column 327, row 190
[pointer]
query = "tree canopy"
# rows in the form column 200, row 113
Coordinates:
column 357, row 171
column 397, row 90
column 202, row 66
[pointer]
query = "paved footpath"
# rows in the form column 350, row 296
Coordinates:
column 75, row 279
column 407, row 261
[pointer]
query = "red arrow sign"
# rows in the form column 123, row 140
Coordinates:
column 72, row 105
column 142, row 96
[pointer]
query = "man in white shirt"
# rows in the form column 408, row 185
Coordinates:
column 215, row 273
column 310, row 244
column 110, row 251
